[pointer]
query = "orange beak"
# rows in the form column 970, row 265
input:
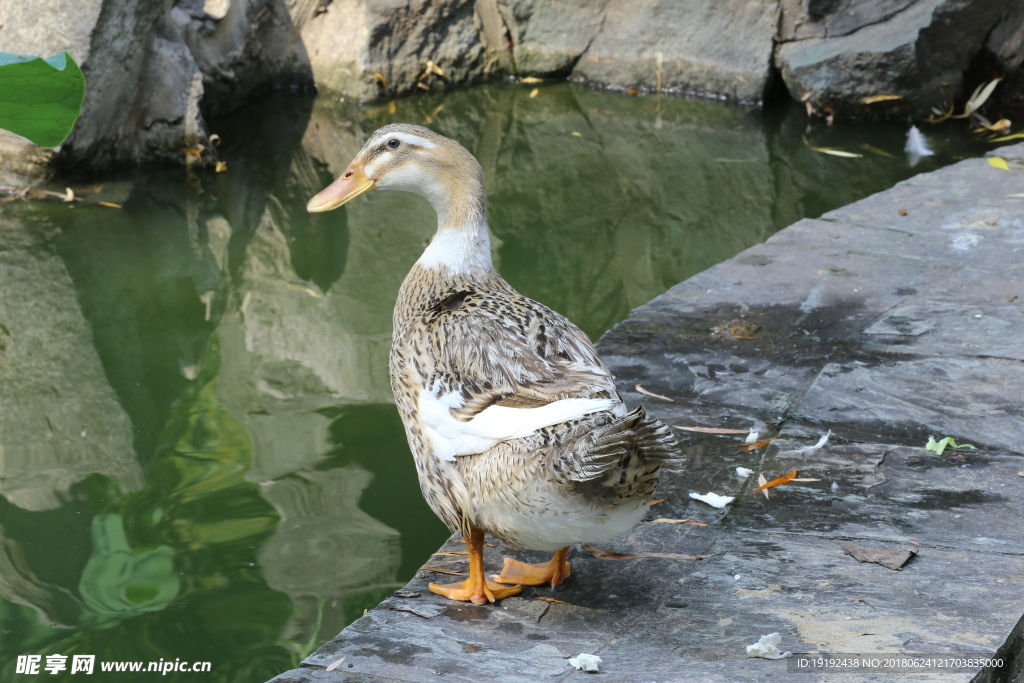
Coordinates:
column 352, row 183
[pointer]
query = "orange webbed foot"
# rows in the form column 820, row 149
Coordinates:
column 478, row 594
column 553, row 572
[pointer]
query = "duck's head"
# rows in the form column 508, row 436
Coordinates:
column 414, row 159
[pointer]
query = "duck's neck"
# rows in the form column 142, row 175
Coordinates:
column 461, row 245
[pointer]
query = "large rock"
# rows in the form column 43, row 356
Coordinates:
column 707, row 47
column 838, row 55
column 366, row 49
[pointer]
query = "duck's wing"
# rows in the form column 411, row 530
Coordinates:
column 504, row 367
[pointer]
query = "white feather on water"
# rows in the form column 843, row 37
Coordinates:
column 917, row 147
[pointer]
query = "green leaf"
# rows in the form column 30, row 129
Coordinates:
column 938, row 447
column 999, row 163
column 40, row 99
column 1008, row 137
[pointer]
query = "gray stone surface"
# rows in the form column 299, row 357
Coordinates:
column 868, row 328
column 918, row 50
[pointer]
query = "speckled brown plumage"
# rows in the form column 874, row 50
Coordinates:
column 513, row 420
column 496, row 346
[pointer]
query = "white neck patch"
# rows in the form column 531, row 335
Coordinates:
column 462, row 250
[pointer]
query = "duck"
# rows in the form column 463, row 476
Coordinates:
column 515, row 424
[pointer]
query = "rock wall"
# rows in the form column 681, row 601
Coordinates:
column 156, row 68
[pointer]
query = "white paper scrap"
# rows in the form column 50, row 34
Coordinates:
column 585, row 662
column 751, row 437
column 768, row 647
column 713, row 499
column 743, row 472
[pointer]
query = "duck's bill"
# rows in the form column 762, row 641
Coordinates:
column 351, row 184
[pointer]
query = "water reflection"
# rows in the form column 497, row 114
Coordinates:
column 200, row 459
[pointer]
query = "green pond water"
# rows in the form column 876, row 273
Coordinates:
column 200, row 459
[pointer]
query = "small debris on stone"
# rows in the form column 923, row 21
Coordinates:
column 751, row 437
column 666, row 520
column 887, row 558
column 808, row 450
column 713, row 499
column 743, row 472
column 335, row 664
column 427, row 611
column 404, row 593
column 835, row 487
column 1021, row 473
column 585, row 662
column 768, row 647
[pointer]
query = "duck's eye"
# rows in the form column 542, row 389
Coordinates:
column 393, row 143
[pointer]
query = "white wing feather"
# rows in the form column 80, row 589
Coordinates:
column 491, row 426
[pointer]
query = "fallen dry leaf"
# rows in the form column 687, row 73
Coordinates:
column 652, row 394
column 836, row 152
column 112, row 205
column 557, row 602
column 380, row 77
column 453, row 552
column 880, row 98
column 805, row 479
column 666, row 520
column 889, row 559
column 999, row 163
column 753, row 446
column 392, row 107
column 941, row 115
column 856, row 599
column 442, row 570
column 915, row 543
column 761, row 481
column 864, row 633
column 660, row 500
column 532, row 79
column 632, row 91
column 612, row 555
column 712, row 430
column 534, row 93
column 788, row 476
column 335, row 664
column 879, row 152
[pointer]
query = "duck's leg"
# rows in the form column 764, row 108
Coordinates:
column 476, row 588
column 523, row 574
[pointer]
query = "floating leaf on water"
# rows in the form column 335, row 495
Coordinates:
column 69, row 194
column 531, row 79
column 879, row 152
column 650, row 393
column 221, row 167
column 392, row 107
column 787, row 477
column 1008, row 137
column 579, row 135
column 534, row 92
column 422, row 86
column 999, row 163
column 112, row 205
column 880, row 98
column 836, row 152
